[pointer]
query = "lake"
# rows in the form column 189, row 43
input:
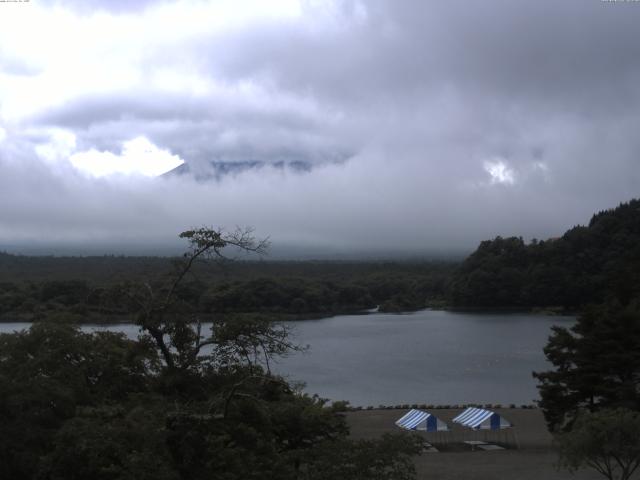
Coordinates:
column 432, row 357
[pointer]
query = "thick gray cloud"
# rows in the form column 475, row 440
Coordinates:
column 430, row 126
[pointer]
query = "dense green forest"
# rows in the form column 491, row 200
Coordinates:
column 588, row 264
column 46, row 287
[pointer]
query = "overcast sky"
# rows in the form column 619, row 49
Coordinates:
column 427, row 125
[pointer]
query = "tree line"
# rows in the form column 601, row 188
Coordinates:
column 589, row 264
column 286, row 290
column 586, row 265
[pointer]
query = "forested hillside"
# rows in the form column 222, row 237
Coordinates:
column 588, row 264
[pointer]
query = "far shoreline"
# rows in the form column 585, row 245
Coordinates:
column 105, row 320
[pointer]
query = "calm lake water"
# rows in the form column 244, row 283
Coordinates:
column 431, row 357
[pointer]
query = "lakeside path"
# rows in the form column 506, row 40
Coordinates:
column 534, row 460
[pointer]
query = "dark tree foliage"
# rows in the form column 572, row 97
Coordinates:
column 607, row 441
column 286, row 296
column 177, row 403
column 50, row 372
column 289, row 290
column 589, row 264
column 364, row 459
column 596, row 365
column 110, row 442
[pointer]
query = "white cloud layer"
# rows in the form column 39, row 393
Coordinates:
column 422, row 125
column 138, row 157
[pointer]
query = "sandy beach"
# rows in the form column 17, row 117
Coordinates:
column 532, row 459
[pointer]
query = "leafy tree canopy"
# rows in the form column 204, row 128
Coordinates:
column 607, row 441
column 596, row 365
